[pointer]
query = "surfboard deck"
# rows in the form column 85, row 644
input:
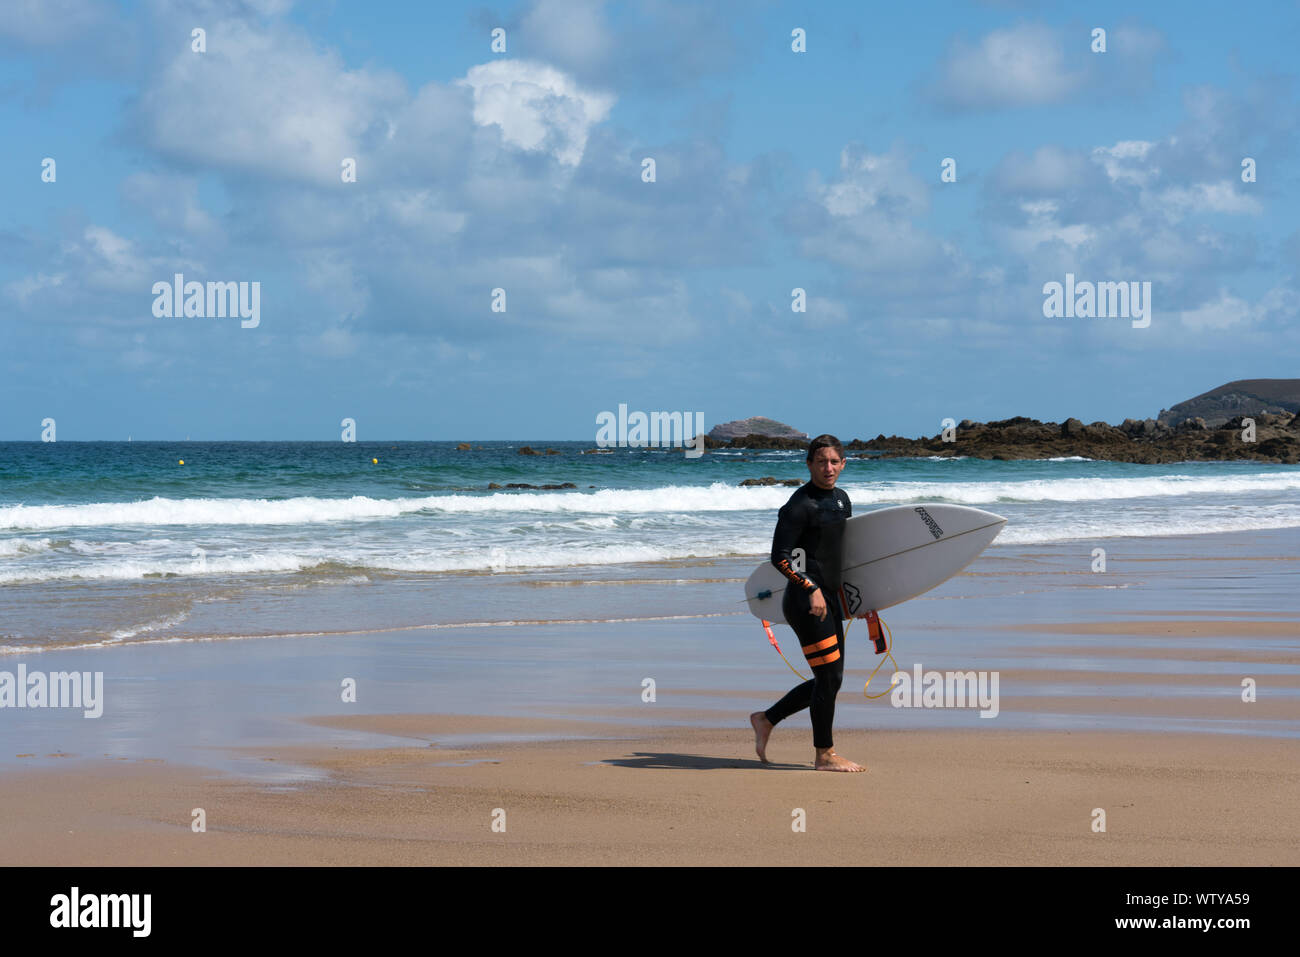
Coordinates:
column 890, row 555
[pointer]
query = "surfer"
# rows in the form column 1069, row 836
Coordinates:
column 813, row 522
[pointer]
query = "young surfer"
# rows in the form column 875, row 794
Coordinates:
column 813, row 521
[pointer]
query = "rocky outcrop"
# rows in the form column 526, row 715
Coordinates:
column 756, row 442
column 769, row 480
column 493, row 486
column 1276, row 439
column 1249, row 397
column 755, row 426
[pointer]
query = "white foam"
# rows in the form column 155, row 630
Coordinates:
column 689, row 499
column 157, row 625
column 13, row 547
column 1120, row 526
column 1072, row 489
column 428, row 560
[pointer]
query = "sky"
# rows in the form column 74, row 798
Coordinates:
column 470, row 221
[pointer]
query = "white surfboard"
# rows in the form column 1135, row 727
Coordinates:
column 891, row 555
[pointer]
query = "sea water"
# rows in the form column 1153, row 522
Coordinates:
column 107, row 543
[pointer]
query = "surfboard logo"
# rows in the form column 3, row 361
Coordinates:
column 935, row 530
column 852, row 598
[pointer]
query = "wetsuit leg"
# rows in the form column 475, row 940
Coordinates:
column 822, row 643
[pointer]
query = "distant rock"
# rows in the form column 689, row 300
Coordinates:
column 757, row 425
column 769, row 480
column 494, row 485
column 462, row 446
column 1249, row 397
column 528, row 450
column 1277, row 439
column 757, row 442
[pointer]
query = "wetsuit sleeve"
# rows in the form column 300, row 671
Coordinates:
column 789, row 526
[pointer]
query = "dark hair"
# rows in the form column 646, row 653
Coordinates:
column 824, row 441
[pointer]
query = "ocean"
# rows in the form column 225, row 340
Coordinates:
column 113, row 543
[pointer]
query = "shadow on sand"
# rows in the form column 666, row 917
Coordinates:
column 697, row 762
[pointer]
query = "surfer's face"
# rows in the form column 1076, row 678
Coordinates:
column 825, row 468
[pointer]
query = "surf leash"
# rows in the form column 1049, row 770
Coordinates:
column 767, row 627
column 877, row 630
column 875, row 624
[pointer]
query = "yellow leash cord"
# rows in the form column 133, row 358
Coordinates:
column 889, row 653
column 767, row 627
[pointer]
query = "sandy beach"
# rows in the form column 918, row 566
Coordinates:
column 693, row 797
column 1124, row 693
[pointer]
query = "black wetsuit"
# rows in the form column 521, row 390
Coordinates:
column 813, row 520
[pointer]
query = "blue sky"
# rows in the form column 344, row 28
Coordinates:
column 522, row 170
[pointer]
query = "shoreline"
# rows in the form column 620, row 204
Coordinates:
column 303, row 597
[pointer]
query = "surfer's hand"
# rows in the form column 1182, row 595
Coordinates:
column 818, row 605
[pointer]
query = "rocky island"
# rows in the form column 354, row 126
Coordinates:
column 1253, row 419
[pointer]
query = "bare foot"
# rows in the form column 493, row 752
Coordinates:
column 762, row 731
column 828, row 760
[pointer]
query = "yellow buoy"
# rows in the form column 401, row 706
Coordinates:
column 374, row 461
column 182, row 461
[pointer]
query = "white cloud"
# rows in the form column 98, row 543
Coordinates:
column 267, row 101
column 1018, row 66
column 874, row 181
column 170, row 200
column 111, row 261
column 1049, row 169
column 536, row 106
column 1220, row 197
column 1125, row 162
column 1223, row 313
column 824, row 311
column 1042, row 226
column 99, row 261
column 573, row 33
column 27, row 287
